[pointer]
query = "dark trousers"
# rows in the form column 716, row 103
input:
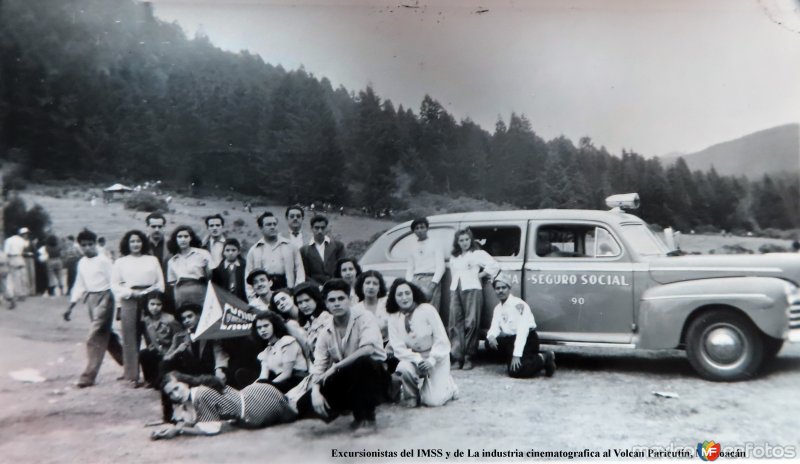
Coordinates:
column 101, row 337
column 532, row 363
column 465, row 316
column 151, row 360
column 358, row 388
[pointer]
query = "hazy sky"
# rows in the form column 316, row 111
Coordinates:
column 654, row 76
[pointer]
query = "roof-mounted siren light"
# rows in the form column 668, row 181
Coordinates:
column 623, row 201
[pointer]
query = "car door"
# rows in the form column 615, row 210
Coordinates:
column 579, row 282
column 505, row 241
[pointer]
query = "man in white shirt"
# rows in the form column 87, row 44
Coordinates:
column 426, row 263
column 215, row 241
column 513, row 333
column 274, row 254
column 14, row 248
column 294, row 217
column 93, row 284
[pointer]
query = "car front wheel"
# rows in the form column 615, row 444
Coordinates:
column 723, row 345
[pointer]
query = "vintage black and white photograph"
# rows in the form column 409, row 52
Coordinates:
column 399, row 230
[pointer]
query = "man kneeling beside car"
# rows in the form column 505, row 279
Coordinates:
column 513, row 333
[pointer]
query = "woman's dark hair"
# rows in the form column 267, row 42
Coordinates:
column 278, row 326
column 338, row 273
column 313, row 292
column 391, row 302
column 360, row 284
column 154, row 295
column 210, row 381
column 473, row 244
column 272, row 305
column 125, row 247
column 172, row 244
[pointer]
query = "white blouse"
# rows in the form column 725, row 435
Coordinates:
column 426, row 340
column 136, row 271
column 466, row 267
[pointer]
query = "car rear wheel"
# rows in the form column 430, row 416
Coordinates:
column 723, row 345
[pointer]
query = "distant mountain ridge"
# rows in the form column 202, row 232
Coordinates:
column 768, row 151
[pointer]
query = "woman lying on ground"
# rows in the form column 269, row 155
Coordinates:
column 203, row 405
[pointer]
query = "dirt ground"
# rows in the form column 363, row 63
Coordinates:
column 597, row 400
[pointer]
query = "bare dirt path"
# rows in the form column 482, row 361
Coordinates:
column 597, row 400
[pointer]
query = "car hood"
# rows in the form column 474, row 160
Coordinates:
column 665, row 270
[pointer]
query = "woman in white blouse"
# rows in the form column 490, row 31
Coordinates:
column 133, row 276
column 371, row 292
column 420, row 343
column 189, row 268
column 282, row 362
column 468, row 266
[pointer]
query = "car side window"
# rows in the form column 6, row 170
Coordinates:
column 498, row 241
column 401, row 249
column 575, row 241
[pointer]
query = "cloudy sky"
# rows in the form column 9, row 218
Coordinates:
column 653, row 76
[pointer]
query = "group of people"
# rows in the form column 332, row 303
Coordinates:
column 326, row 339
column 29, row 266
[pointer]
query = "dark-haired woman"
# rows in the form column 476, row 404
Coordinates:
column 348, row 270
column 468, row 266
column 202, row 404
column 283, row 363
column 420, row 342
column 133, row 276
column 282, row 304
column 313, row 316
column 189, row 268
column 370, row 289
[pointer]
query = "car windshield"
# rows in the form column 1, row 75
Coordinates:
column 642, row 240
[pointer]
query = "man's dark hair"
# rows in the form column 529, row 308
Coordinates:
column 418, row 221
column 215, row 216
column 87, row 235
column 188, row 306
column 319, row 218
column 232, row 242
column 154, row 216
column 297, row 207
column 333, row 285
column 260, row 219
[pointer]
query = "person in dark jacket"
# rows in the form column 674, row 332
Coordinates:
column 230, row 272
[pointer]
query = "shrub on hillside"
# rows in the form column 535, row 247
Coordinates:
column 146, row 202
column 17, row 215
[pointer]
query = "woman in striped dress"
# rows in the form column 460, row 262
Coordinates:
column 203, row 404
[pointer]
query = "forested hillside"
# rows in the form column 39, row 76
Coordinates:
column 103, row 90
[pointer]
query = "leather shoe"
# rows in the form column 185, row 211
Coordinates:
column 549, row 364
column 84, row 384
column 467, row 364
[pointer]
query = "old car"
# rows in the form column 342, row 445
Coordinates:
column 603, row 278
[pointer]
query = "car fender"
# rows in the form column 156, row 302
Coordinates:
column 664, row 309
